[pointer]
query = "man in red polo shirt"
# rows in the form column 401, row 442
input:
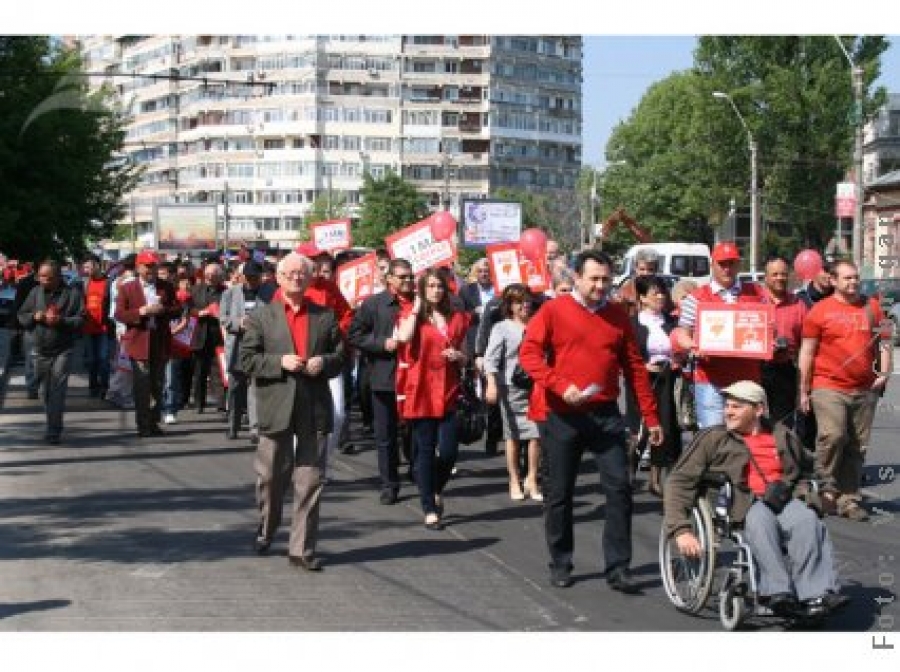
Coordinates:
column 779, row 376
column 575, row 348
column 95, row 327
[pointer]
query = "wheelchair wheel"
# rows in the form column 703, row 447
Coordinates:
column 689, row 581
column 732, row 608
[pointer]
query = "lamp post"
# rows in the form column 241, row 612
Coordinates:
column 857, row 154
column 754, row 184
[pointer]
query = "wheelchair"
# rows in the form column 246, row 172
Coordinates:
column 689, row 582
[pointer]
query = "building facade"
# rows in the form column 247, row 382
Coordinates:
column 272, row 123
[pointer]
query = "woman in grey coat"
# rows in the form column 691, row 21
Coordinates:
column 500, row 362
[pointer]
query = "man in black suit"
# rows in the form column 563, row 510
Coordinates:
column 206, row 298
column 372, row 332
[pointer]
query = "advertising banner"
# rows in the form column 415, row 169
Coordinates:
column 489, row 222
column 356, row 279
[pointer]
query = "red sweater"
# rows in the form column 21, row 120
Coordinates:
column 566, row 344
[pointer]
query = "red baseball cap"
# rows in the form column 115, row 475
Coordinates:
column 726, row 251
column 147, row 258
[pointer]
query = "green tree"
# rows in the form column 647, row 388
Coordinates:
column 62, row 187
column 686, row 153
column 331, row 205
column 796, row 96
column 388, row 205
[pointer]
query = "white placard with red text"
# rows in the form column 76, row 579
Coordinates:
column 333, row 235
column 356, row 279
column 417, row 245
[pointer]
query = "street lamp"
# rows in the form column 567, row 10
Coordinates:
column 754, row 185
column 857, row 153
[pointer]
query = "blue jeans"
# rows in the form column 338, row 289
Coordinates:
column 710, row 405
column 434, row 470
column 97, row 356
column 172, row 387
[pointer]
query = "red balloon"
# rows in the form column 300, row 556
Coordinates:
column 808, row 264
column 443, row 225
column 533, row 243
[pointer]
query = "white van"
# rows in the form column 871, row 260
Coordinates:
column 683, row 260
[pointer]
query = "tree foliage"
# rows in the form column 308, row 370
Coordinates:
column 388, row 205
column 685, row 153
column 62, row 189
column 332, row 205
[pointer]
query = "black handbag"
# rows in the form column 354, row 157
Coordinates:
column 470, row 420
column 521, row 379
column 777, row 494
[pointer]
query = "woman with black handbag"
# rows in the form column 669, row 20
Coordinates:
column 509, row 385
column 433, row 361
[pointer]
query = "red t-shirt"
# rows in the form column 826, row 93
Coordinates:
column 847, row 346
column 765, row 452
column 94, row 319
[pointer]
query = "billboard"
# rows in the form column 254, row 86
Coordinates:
column 185, row 227
column 488, row 222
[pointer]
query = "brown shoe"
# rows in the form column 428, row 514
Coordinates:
column 853, row 511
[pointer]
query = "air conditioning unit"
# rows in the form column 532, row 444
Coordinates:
column 373, row 72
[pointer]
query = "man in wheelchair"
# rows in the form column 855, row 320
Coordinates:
column 779, row 510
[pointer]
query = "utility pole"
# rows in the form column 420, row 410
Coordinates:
column 857, row 72
column 858, row 162
column 592, row 232
column 134, row 227
column 225, row 244
column 754, row 206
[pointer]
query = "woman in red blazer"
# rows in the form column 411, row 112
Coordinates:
column 435, row 334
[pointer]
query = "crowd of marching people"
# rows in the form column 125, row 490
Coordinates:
column 434, row 361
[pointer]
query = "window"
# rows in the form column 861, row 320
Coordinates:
column 351, row 142
column 331, row 142
column 273, row 143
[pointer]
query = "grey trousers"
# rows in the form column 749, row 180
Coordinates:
column 51, row 373
column 31, row 381
column 808, row 570
column 275, row 465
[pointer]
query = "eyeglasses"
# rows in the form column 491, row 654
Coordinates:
column 293, row 275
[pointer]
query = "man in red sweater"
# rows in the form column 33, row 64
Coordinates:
column 575, row 348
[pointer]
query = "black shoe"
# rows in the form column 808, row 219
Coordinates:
column 621, row 580
column 231, row 434
column 434, row 526
column 150, row 432
column 560, row 577
column 814, row 608
column 310, row 564
column 33, row 395
column 835, row 601
column 53, row 439
column 254, row 439
column 346, row 448
column 783, row 604
column 261, row 545
column 388, row 497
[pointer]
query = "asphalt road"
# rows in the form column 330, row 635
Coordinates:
column 107, row 532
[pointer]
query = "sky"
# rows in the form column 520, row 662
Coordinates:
column 618, row 70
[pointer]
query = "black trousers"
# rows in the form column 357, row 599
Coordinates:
column 780, row 381
column 564, row 438
column 384, row 413
column 204, row 361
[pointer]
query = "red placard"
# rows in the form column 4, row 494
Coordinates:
column 742, row 330
column 417, row 245
column 332, row 235
column 509, row 266
column 356, row 279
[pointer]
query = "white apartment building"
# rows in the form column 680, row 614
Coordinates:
column 276, row 121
